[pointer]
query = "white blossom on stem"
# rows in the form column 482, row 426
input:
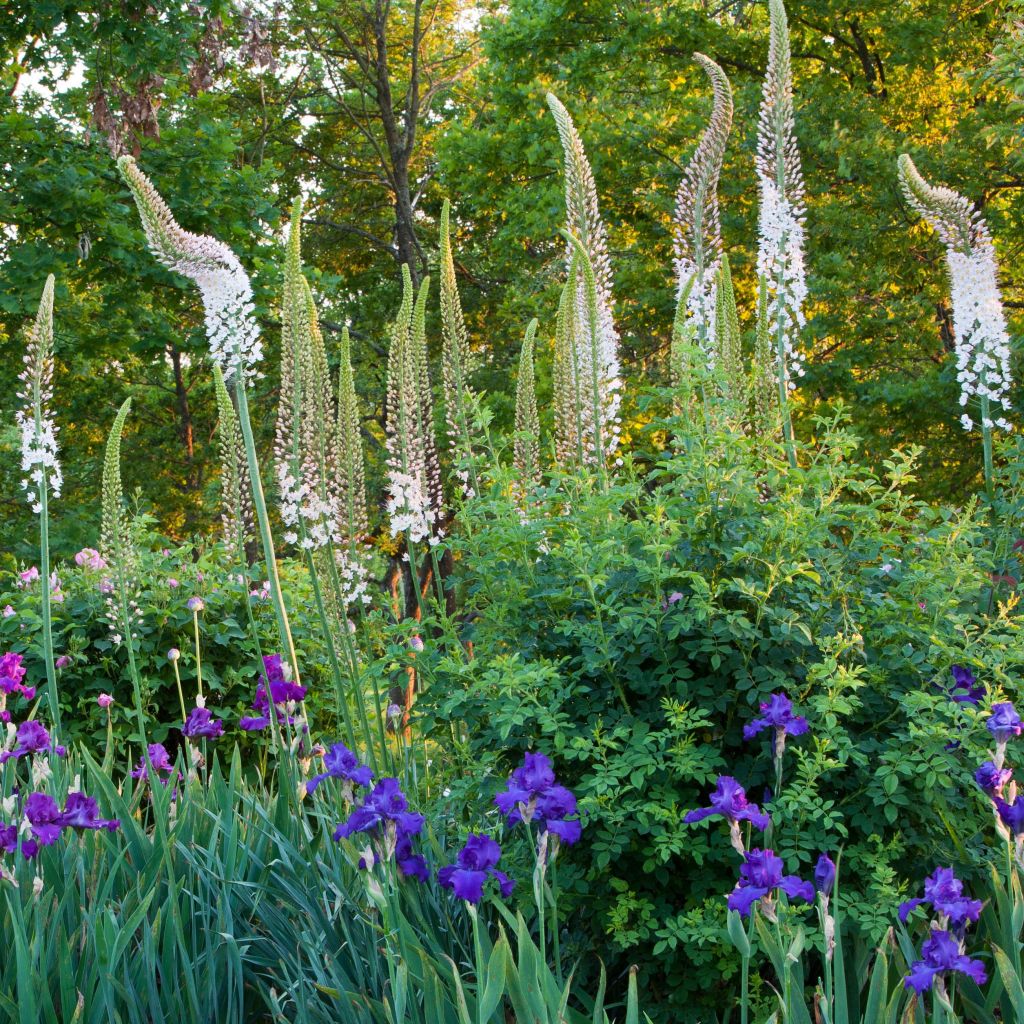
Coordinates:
column 979, row 323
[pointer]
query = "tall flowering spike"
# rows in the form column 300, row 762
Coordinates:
column 304, row 454
column 116, row 542
column 979, row 324
column 425, row 399
column 39, row 460
column 780, row 256
column 350, row 484
column 456, row 361
column 597, row 346
column 728, row 339
column 236, row 496
column 224, row 285
column 698, row 236
column 568, row 395
column 349, row 452
column 526, row 453
column 413, row 477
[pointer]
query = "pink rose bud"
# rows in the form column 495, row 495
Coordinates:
column 63, row 661
column 104, row 700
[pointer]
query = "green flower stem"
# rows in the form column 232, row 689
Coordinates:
column 266, row 537
column 44, row 564
column 181, row 693
column 199, row 657
column 332, row 653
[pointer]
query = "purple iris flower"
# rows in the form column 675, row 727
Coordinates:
column 12, row 676
column 44, row 817
column 81, row 811
column 777, row 714
column 945, row 892
column 410, row 863
column 760, row 875
column 991, row 779
column 730, row 801
column 160, row 760
column 475, row 863
column 8, row 838
column 1011, row 815
column 1004, row 722
column 282, row 691
column 200, row 723
column 533, row 794
column 941, row 953
column 386, row 804
column 341, row 763
column 825, row 875
column 963, row 690
column 32, row 738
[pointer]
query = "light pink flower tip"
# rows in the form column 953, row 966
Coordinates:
column 8, row 612
column 90, row 558
column 29, row 575
column 63, row 661
column 172, row 582
column 104, row 700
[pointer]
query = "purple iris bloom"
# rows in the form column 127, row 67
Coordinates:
column 81, row 811
column 200, row 723
column 533, row 794
column 281, row 692
column 160, row 760
column 385, row 804
column 12, row 673
column 760, row 875
column 1011, row 815
column 8, row 838
column 730, row 801
column 475, row 863
column 32, row 738
column 963, row 690
column 44, row 817
column 341, row 763
column 410, row 863
column 1004, row 722
column 941, row 954
column 945, row 892
column 777, row 714
column 991, row 779
column 825, row 875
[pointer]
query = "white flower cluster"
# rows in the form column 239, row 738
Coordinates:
column 780, row 251
column 780, row 261
column 223, row 283
column 408, row 507
column 39, row 449
column 39, row 457
column 310, row 520
column 698, row 238
column 354, row 577
column 979, row 326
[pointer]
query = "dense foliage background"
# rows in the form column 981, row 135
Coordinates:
column 235, row 110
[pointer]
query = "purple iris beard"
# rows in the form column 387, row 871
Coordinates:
column 942, row 954
column 474, row 864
